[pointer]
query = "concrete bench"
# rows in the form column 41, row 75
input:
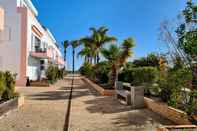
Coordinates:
column 122, row 94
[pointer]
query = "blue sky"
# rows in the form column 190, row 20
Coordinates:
column 140, row 19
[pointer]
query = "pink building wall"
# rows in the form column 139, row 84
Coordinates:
column 1, row 19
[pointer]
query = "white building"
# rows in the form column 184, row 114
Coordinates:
column 26, row 47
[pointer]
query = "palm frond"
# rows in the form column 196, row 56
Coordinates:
column 75, row 43
column 103, row 30
column 108, row 39
column 128, row 43
column 66, row 44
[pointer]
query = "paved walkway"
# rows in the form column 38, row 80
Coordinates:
column 46, row 108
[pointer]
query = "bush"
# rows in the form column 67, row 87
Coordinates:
column 10, row 86
column 140, row 75
column 87, row 70
column 192, row 104
column 53, row 73
column 2, row 84
column 101, row 71
column 144, row 75
column 151, row 60
column 7, row 85
column 172, row 84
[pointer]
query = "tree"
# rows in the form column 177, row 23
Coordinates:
column 97, row 40
column 86, row 53
column 151, row 60
column 88, row 43
column 117, row 57
column 183, row 42
column 65, row 44
column 187, row 37
column 100, row 38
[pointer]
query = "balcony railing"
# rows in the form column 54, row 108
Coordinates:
column 41, row 53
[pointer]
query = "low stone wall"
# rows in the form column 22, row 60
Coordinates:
column 11, row 104
column 21, row 101
column 175, row 115
column 178, row 128
column 102, row 91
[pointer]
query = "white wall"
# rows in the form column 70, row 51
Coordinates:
column 33, row 65
column 10, row 39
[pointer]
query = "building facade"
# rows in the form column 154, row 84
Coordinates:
column 26, row 47
column 1, row 19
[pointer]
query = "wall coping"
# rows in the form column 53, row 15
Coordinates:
column 101, row 90
column 164, row 104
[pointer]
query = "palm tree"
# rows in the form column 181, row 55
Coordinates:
column 117, row 57
column 65, row 44
column 99, row 38
column 96, row 41
column 86, row 53
column 74, row 44
column 89, row 44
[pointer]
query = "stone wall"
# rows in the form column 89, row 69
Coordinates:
column 102, row 91
column 175, row 115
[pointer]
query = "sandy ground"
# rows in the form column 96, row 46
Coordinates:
column 92, row 112
column 45, row 110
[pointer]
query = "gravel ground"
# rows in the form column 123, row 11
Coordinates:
column 45, row 110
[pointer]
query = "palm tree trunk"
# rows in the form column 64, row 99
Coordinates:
column 98, row 58
column 64, row 57
column 95, row 60
column 116, row 78
column 85, row 59
column 113, row 76
column 73, row 61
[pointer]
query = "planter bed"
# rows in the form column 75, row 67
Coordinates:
column 43, row 83
column 178, row 128
column 101, row 90
column 175, row 115
column 11, row 104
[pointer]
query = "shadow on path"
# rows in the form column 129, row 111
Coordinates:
column 140, row 118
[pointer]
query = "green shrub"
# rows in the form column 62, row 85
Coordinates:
column 53, row 73
column 144, row 75
column 7, row 85
column 192, row 104
column 87, row 70
column 172, row 83
column 140, row 75
column 10, row 86
column 2, row 84
column 151, row 60
column 101, row 71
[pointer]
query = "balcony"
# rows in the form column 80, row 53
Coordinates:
column 42, row 53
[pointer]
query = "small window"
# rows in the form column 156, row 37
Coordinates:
column 41, row 62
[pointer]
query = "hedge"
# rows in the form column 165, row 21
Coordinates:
column 7, row 85
column 53, row 73
column 140, row 75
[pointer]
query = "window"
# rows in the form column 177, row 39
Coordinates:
column 36, row 43
column 42, row 64
column 45, row 46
